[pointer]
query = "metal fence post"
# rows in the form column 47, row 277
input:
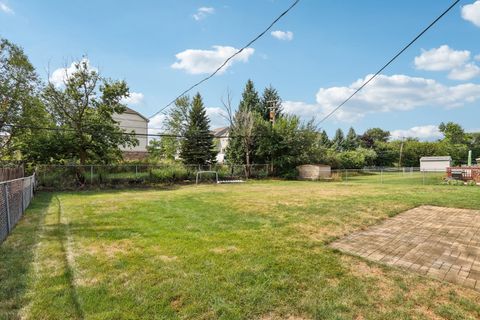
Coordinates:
column 136, row 171
column 346, row 175
column 91, row 174
column 423, row 175
column 7, row 205
column 381, row 176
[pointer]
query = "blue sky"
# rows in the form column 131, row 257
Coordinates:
column 324, row 50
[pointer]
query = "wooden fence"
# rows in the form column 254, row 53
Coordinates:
column 464, row 173
column 11, row 173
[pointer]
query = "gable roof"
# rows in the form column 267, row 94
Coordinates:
column 131, row 111
column 443, row 158
column 220, row 132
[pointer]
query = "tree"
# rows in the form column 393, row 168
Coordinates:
column 19, row 104
column 324, row 141
column 351, row 140
column 240, row 148
column 453, row 133
column 338, row 141
column 373, row 135
column 83, row 109
column 175, row 124
column 238, row 151
column 197, row 146
column 270, row 99
column 250, row 100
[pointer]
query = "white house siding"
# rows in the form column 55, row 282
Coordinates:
column 131, row 121
column 439, row 164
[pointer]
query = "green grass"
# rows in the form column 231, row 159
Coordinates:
column 248, row 251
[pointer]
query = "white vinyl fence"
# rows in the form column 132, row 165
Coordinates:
column 15, row 197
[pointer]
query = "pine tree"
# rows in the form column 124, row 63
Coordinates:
column 250, row 100
column 198, row 146
column 324, row 140
column 270, row 98
column 239, row 149
column 338, row 141
column 351, row 141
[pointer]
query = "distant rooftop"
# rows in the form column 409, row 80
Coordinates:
column 220, row 132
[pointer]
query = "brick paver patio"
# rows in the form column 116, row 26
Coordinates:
column 443, row 243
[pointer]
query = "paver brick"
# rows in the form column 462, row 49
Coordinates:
column 443, row 243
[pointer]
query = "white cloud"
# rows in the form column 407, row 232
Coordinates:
column 217, row 117
column 471, row 12
column 444, row 58
column 133, row 99
column 465, row 72
column 203, row 12
column 155, row 125
column 197, row 61
column 477, row 57
column 282, row 35
column 385, row 94
column 428, row 132
column 5, row 8
column 60, row 75
column 441, row 59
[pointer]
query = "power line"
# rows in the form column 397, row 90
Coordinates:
column 228, row 59
column 389, row 62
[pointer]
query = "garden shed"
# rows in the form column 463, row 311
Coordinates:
column 314, row 172
column 438, row 164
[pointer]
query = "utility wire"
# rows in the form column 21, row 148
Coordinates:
column 389, row 62
column 228, row 59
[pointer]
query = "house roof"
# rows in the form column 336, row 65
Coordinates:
column 442, row 158
column 131, row 111
column 220, row 132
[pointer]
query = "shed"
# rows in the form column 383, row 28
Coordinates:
column 438, row 164
column 314, row 171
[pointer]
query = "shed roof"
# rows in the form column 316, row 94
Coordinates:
column 442, row 158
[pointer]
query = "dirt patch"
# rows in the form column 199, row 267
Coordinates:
column 223, row 250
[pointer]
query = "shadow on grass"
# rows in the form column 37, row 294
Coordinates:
column 16, row 258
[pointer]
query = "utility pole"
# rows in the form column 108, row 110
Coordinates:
column 273, row 110
column 401, row 153
column 272, row 115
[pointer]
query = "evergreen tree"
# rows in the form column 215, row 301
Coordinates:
column 270, row 98
column 176, row 125
column 198, row 146
column 324, row 140
column 250, row 100
column 351, row 141
column 241, row 150
column 338, row 141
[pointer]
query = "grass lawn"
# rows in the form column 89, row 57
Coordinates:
column 248, row 251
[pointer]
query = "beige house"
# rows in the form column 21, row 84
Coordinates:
column 221, row 136
column 435, row 164
column 129, row 121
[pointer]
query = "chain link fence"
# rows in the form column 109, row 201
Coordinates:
column 72, row 177
column 405, row 176
column 15, row 197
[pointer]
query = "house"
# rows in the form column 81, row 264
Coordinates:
column 221, row 136
column 129, row 121
column 439, row 164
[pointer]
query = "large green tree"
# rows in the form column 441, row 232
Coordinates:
column 198, row 146
column 175, row 125
column 351, row 140
column 19, row 104
column 83, row 108
column 338, row 141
